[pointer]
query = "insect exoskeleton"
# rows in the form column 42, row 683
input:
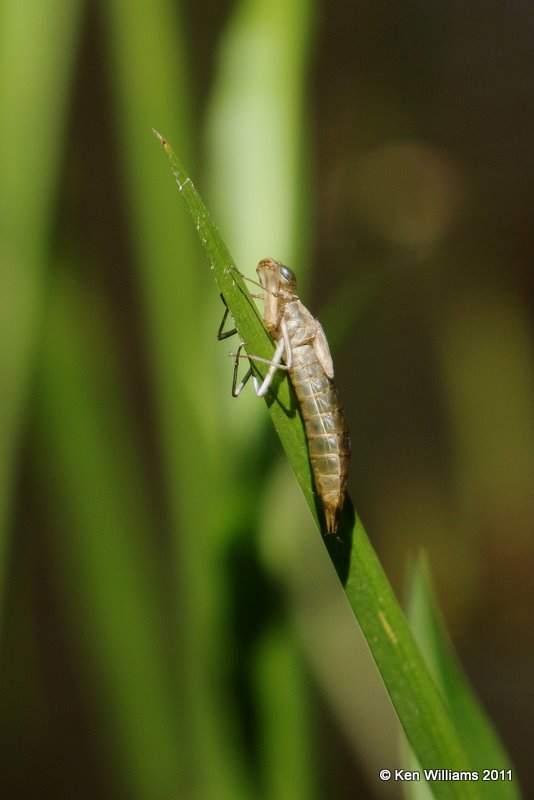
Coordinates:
column 302, row 350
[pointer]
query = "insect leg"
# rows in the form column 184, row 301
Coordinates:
column 237, row 389
column 261, row 391
column 287, row 342
column 274, row 364
column 269, row 361
column 225, row 334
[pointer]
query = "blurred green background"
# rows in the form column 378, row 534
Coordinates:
column 171, row 626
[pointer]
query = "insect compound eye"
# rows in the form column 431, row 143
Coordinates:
column 288, row 275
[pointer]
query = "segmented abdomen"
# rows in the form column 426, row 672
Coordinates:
column 328, row 436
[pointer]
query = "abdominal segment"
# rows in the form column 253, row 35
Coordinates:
column 328, row 437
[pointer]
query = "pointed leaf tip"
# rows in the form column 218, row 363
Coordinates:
column 158, row 136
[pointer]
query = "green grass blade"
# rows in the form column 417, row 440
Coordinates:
column 478, row 737
column 257, row 131
column 256, row 143
column 37, row 45
column 419, row 705
column 149, row 57
column 413, row 692
column 247, row 319
column 91, row 466
column 285, row 748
